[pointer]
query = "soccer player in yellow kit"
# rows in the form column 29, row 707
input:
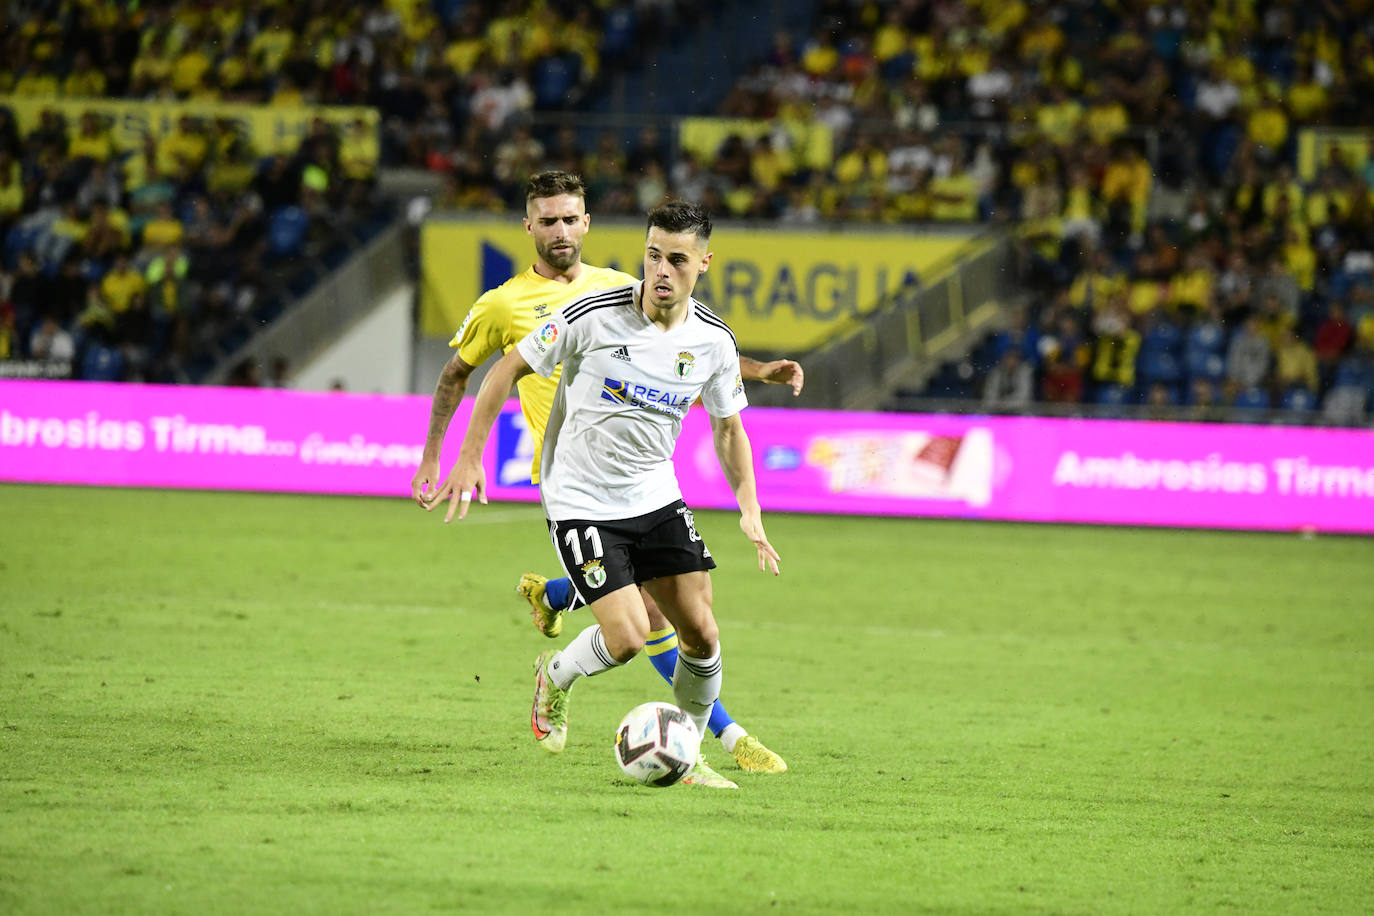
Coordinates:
column 557, row 220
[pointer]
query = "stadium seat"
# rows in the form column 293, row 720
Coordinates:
column 1201, row 364
column 1205, row 338
column 286, row 232
column 1163, row 337
column 1111, row 395
column 102, row 364
column 1299, row 398
column 618, row 36
column 1252, row 399
column 554, row 77
column 1159, row 366
column 1350, row 374
column 19, row 239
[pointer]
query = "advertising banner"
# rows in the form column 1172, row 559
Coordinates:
column 1015, row 468
column 778, row 290
column 267, row 128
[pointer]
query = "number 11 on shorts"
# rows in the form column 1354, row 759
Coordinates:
column 592, row 537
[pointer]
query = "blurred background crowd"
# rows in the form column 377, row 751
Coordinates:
column 1177, row 246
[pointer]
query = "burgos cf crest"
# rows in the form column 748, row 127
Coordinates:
column 685, row 362
column 594, row 573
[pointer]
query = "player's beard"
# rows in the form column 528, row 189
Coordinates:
column 560, row 260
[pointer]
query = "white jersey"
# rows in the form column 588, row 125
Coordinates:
column 626, row 385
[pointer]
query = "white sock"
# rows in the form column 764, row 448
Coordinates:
column 585, row 656
column 729, row 735
column 696, row 686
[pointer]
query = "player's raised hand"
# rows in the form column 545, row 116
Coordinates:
column 784, row 372
column 752, row 526
column 425, row 484
column 463, row 483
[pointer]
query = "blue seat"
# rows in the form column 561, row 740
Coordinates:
column 618, row 36
column 1111, row 395
column 1350, row 374
column 19, row 239
column 286, row 232
column 1207, row 338
column 1299, row 398
column 1253, row 399
column 102, row 364
column 1159, row 366
column 554, row 78
column 1201, row 364
column 1162, row 337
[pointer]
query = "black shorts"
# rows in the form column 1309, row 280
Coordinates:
column 601, row 556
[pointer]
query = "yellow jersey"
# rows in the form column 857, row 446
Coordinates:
column 503, row 316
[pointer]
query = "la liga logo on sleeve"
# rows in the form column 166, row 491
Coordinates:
column 547, row 335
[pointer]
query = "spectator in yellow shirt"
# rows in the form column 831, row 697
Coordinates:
column 92, row 141
column 1080, row 217
column 1300, row 259
column 1127, row 181
column 1267, row 128
column 863, row 166
column 11, row 191
column 1116, row 346
column 121, row 284
column 184, row 148
column 190, row 67
column 820, row 57
column 1059, row 118
column 1307, row 98
column 1192, row 288
column 272, row 43
column 358, row 152
column 954, row 190
column 464, row 51
column 1295, row 365
column 1326, row 200
column 85, row 81
column 152, row 67
column 1283, row 185
column 1040, row 39
column 164, row 229
column 1146, row 294
column 891, row 39
column 1106, row 118
column 768, row 167
column 1274, row 321
column 35, row 84
column 234, row 71
column 1098, row 285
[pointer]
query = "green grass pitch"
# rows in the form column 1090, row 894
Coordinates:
column 216, row 703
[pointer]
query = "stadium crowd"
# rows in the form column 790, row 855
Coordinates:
column 1144, row 154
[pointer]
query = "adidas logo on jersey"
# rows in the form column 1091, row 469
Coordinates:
column 622, row 353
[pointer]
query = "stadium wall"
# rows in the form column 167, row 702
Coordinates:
column 373, row 355
column 1016, row 468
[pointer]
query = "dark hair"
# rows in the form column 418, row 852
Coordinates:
column 553, row 183
column 681, row 216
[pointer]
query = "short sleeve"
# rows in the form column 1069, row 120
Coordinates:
column 482, row 332
column 723, row 395
column 547, row 345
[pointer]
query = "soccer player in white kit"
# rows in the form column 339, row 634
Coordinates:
column 634, row 358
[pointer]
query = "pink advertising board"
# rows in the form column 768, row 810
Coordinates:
column 1019, row 468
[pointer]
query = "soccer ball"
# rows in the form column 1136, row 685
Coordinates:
column 656, row 744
